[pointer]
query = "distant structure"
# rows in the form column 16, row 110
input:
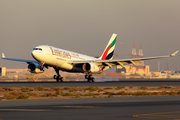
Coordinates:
column 140, row 55
column 133, row 55
column 2, row 71
column 138, row 68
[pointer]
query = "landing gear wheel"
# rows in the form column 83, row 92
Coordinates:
column 55, row 77
column 58, row 76
column 92, row 79
column 86, row 76
column 89, row 78
column 61, row 79
column 57, row 80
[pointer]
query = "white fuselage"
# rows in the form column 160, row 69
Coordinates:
column 57, row 57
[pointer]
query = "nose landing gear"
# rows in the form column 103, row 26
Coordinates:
column 89, row 78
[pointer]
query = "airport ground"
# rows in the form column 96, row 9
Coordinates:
column 125, row 108
column 106, row 82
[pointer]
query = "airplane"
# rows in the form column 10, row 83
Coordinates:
column 48, row 56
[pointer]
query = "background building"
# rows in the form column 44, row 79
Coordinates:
column 139, row 68
column 131, row 69
column 2, row 71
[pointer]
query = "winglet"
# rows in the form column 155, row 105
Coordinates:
column 3, row 56
column 174, row 53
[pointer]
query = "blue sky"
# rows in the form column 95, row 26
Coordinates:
column 85, row 26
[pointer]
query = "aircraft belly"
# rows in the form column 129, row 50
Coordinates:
column 66, row 66
column 54, row 61
column 58, row 61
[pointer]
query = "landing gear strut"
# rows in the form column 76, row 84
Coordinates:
column 89, row 78
column 58, row 76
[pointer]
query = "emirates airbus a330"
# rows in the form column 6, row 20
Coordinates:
column 59, row 59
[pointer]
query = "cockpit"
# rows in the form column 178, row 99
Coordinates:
column 37, row 52
column 38, row 49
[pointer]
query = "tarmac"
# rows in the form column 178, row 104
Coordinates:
column 125, row 108
column 119, row 82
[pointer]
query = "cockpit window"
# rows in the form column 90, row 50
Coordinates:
column 37, row 49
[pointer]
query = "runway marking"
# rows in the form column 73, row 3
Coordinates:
column 78, row 106
column 25, row 110
column 162, row 115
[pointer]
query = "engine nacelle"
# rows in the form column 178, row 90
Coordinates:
column 90, row 67
column 35, row 68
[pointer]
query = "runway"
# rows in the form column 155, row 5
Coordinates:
column 122, row 82
column 125, row 108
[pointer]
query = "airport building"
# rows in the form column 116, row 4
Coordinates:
column 138, row 68
column 131, row 69
column 2, row 71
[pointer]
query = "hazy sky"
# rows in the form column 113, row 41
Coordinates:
column 85, row 26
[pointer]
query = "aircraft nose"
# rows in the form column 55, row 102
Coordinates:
column 37, row 53
column 34, row 54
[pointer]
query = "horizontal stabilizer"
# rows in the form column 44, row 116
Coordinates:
column 3, row 56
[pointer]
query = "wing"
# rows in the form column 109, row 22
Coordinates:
column 20, row 60
column 121, row 62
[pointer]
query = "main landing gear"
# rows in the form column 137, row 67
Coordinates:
column 58, row 76
column 89, row 78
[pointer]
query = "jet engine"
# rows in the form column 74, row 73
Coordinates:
column 90, row 67
column 35, row 68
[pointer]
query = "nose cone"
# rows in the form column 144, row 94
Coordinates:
column 34, row 54
column 37, row 53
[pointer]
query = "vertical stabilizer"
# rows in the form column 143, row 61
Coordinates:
column 109, row 50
